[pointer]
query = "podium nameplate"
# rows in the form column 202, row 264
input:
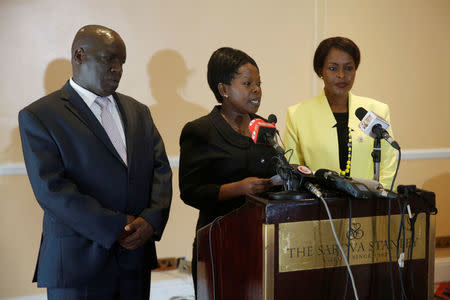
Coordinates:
column 311, row 245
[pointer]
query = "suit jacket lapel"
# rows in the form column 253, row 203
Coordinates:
column 353, row 123
column 79, row 108
column 353, row 104
column 328, row 130
column 327, row 117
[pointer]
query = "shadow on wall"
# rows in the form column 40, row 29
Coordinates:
column 440, row 185
column 13, row 152
column 57, row 73
column 168, row 76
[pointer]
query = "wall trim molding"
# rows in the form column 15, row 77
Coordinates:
column 434, row 153
column 12, row 169
column 174, row 161
column 442, row 269
column 19, row 167
column 413, row 154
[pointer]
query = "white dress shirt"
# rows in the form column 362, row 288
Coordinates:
column 90, row 97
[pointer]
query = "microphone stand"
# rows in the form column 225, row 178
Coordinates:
column 376, row 155
column 289, row 187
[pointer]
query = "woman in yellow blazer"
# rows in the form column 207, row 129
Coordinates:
column 323, row 131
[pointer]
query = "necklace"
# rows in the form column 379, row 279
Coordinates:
column 346, row 172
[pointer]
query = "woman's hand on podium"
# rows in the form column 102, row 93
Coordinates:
column 249, row 185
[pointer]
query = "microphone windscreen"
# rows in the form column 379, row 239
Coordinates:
column 252, row 124
column 360, row 113
column 272, row 118
column 261, row 131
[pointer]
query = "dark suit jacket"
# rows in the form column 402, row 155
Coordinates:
column 85, row 189
column 213, row 154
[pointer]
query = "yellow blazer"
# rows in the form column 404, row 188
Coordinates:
column 310, row 134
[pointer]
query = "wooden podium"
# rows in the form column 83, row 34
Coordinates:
column 285, row 250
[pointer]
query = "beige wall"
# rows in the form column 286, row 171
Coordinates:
column 404, row 47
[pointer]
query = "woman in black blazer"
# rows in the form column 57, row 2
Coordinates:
column 219, row 162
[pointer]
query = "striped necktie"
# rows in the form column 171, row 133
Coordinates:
column 111, row 128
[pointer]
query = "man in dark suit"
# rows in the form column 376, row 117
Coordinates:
column 99, row 170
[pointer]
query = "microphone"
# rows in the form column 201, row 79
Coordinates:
column 272, row 119
column 374, row 126
column 262, row 132
column 332, row 179
column 355, row 187
column 376, row 188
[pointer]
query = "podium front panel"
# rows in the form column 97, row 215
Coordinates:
column 308, row 245
column 254, row 247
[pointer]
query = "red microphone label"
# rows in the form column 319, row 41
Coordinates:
column 261, row 131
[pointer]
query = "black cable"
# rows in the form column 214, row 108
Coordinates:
column 283, row 170
column 316, row 192
column 211, row 255
column 348, row 242
column 284, row 147
column 391, row 273
column 291, row 152
column 389, row 251
column 396, row 170
column 404, row 246
column 412, row 222
column 285, row 176
column 401, row 231
column 400, row 273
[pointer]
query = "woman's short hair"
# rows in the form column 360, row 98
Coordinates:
column 341, row 43
column 223, row 65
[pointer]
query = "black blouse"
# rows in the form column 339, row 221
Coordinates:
column 213, row 154
column 342, row 132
